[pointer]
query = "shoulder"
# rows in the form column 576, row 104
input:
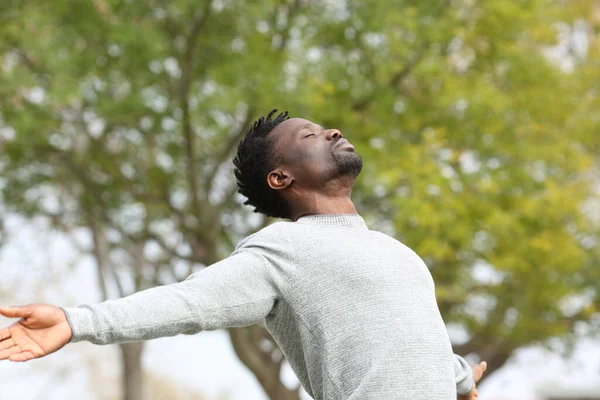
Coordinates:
column 277, row 233
column 393, row 242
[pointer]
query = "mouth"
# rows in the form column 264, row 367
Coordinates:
column 343, row 143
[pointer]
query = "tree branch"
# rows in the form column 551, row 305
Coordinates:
column 247, row 345
column 412, row 62
column 90, row 186
column 495, row 359
column 465, row 348
column 147, row 234
column 285, row 33
column 187, row 68
column 100, row 254
column 226, row 151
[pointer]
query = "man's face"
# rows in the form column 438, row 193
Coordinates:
column 314, row 155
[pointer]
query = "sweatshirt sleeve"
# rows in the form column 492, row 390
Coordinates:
column 237, row 291
column 464, row 375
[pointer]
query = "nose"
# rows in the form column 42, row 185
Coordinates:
column 333, row 134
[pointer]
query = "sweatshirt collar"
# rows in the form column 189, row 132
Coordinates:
column 340, row 220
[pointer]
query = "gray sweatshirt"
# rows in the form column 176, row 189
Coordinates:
column 353, row 310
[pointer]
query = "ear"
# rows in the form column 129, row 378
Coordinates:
column 279, row 179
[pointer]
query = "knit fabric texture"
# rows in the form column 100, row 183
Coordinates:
column 353, row 310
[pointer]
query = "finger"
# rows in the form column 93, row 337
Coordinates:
column 478, row 371
column 4, row 334
column 23, row 356
column 16, row 312
column 474, row 394
column 11, row 351
column 7, row 344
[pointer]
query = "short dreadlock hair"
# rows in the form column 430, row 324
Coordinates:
column 255, row 159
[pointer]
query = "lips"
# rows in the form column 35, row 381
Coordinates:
column 343, row 142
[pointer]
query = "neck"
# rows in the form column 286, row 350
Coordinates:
column 329, row 201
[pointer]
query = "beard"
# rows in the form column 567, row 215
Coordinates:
column 348, row 163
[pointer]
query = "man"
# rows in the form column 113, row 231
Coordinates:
column 353, row 310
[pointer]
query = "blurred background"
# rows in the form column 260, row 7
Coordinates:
column 479, row 124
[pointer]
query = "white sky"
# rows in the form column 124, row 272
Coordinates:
column 40, row 266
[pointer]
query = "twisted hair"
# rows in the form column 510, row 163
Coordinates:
column 254, row 160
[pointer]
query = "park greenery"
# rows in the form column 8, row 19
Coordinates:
column 479, row 124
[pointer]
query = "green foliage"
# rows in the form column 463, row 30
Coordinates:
column 485, row 153
column 481, row 153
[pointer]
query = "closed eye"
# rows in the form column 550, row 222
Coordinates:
column 309, row 135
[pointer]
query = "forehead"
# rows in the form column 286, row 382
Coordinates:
column 286, row 128
column 284, row 134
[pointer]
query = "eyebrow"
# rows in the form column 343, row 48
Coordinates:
column 309, row 125
column 298, row 129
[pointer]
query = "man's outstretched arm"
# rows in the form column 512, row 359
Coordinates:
column 464, row 375
column 42, row 330
column 237, row 291
column 467, row 377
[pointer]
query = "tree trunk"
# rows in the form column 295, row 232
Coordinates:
column 495, row 355
column 133, row 385
column 495, row 361
column 264, row 364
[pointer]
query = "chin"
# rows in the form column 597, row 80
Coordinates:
column 348, row 163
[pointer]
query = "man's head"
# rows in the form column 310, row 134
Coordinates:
column 282, row 161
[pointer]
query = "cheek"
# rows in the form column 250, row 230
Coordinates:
column 301, row 156
column 313, row 160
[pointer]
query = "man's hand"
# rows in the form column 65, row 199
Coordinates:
column 478, row 371
column 42, row 330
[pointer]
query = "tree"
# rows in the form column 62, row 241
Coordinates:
column 487, row 151
column 122, row 116
column 123, row 121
